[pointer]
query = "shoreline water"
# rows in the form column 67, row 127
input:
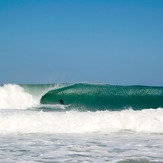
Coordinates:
column 94, row 147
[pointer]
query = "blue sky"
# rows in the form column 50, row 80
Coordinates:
column 97, row 41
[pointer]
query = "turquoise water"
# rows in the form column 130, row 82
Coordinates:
column 95, row 97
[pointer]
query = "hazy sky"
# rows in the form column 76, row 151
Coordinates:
column 97, row 41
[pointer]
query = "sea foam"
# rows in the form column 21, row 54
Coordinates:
column 144, row 121
column 13, row 96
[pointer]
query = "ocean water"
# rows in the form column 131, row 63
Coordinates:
column 96, row 123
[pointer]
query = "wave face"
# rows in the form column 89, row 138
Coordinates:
column 106, row 97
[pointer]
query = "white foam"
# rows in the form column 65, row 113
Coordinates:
column 146, row 121
column 13, row 96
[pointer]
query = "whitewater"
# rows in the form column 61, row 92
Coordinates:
column 98, row 123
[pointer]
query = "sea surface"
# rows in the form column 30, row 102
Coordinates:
column 81, row 122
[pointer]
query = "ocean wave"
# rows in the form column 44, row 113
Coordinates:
column 80, row 96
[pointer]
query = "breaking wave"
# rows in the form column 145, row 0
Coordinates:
column 81, row 97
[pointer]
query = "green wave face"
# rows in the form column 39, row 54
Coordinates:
column 106, row 97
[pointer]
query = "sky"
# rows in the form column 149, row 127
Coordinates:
column 96, row 41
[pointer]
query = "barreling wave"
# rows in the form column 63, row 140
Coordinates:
column 106, row 97
column 80, row 96
column 93, row 98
